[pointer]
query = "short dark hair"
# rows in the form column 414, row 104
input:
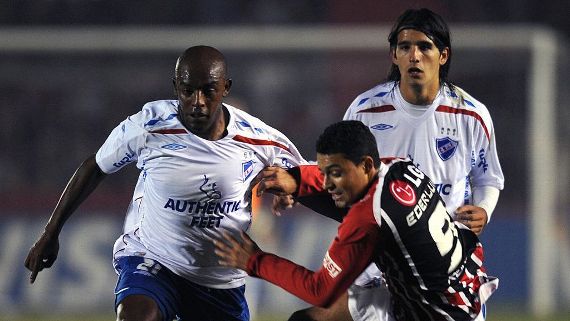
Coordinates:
column 433, row 26
column 351, row 138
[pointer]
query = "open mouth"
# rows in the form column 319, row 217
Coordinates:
column 414, row 71
column 336, row 196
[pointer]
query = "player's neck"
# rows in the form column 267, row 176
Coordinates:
column 419, row 94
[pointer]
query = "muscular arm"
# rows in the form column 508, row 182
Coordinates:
column 44, row 252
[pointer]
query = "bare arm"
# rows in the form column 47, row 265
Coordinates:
column 84, row 181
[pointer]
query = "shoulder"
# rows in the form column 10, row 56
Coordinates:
column 459, row 99
column 251, row 126
column 157, row 114
column 374, row 97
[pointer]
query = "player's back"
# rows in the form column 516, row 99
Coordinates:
column 423, row 252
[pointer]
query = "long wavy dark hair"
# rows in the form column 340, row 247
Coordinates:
column 433, row 26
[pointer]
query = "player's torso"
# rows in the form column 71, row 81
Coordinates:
column 191, row 190
column 439, row 142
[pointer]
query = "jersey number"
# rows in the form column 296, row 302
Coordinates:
column 444, row 234
column 150, row 266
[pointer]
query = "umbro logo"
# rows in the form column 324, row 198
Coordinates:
column 381, row 126
column 174, row 146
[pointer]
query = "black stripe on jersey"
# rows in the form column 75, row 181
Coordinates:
column 414, row 264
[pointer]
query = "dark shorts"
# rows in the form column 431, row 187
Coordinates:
column 176, row 297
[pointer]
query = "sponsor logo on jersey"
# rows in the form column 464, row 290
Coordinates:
column 207, row 212
column 331, row 266
column 203, row 208
column 125, row 160
column 446, row 147
column 403, row 192
column 174, row 146
column 246, row 169
column 381, row 126
column 482, row 161
column 421, row 206
column 443, row 189
column 210, row 190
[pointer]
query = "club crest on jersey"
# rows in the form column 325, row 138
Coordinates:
column 403, row 192
column 446, row 147
column 381, row 126
column 247, row 169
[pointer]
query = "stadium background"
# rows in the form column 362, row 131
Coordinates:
column 58, row 106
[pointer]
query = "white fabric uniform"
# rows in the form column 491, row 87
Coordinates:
column 190, row 189
column 452, row 141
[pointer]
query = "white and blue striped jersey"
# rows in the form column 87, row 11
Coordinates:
column 452, row 140
column 190, row 189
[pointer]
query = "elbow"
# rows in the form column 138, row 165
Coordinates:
column 325, row 300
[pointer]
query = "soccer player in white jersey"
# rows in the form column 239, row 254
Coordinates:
column 197, row 157
column 418, row 114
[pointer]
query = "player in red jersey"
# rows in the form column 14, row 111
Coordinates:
column 392, row 216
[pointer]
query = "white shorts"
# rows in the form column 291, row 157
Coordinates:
column 368, row 297
column 370, row 303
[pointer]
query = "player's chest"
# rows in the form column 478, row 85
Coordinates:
column 209, row 168
column 441, row 135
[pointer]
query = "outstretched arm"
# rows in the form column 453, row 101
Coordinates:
column 44, row 252
column 302, row 182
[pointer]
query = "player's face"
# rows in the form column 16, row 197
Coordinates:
column 200, row 89
column 418, row 59
column 345, row 181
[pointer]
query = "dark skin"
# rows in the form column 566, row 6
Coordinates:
column 200, row 84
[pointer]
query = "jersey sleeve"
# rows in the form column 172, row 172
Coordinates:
column 123, row 145
column 286, row 153
column 349, row 254
column 486, row 169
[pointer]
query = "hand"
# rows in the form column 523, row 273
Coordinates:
column 235, row 253
column 474, row 217
column 282, row 202
column 275, row 180
column 42, row 254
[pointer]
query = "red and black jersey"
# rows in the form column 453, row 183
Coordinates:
column 431, row 265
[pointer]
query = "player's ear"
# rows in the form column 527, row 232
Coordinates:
column 393, row 56
column 227, row 86
column 368, row 164
column 174, row 87
column 443, row 56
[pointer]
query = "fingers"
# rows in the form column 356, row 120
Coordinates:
column 33, row 264
column 267, row 172
column 281, row 202
column 474, row 217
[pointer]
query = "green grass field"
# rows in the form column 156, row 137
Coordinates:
column 495, row 316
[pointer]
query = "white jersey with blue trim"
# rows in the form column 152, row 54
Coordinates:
column 452, row 140
column 190, row 189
